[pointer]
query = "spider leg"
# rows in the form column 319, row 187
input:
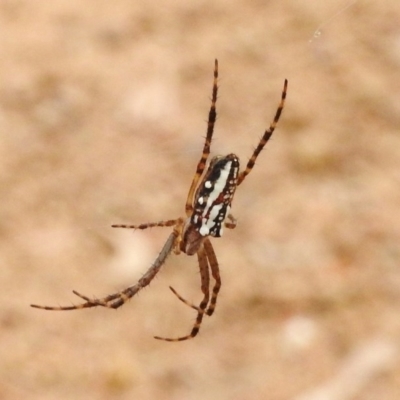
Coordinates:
column 205, row 288
column 169, row 222
column 183, row 300
column 213, row 262
column 212, row 116
column 118, row 299
column 267, row 134
column 104, row 302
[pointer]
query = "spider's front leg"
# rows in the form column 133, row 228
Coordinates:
column 212, row 117
column 213, row 262
column 265, row 138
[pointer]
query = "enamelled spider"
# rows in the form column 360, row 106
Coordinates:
column 207, row 210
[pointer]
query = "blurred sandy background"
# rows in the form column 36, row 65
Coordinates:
column 102, row 117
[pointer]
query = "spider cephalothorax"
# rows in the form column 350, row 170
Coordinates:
column 207, row 212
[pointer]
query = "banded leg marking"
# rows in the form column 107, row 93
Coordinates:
column 205, row 288
column 212, row 116
column 267, row 135
column 116, row 300
column 213, row 262
column 169, row 222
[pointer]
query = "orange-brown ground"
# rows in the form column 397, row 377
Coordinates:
column 102, row 115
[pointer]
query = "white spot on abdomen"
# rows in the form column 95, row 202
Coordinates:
column 204, row 230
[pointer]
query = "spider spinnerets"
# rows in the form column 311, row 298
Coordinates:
column 207, row 212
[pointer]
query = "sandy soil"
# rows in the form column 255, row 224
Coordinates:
column 102, row 116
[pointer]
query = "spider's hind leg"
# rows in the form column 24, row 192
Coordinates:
column 201, row 309
column 213, row 262
column 214, row 266
column 114, row 300
column 118, row 299
column 183, row 300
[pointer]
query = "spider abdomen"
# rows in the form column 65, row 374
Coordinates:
column 214, row 195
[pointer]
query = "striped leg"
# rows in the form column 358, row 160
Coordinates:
column 212, row 116
column 205, row 288
column 118, row 299
column 213, row 262
column 169, row 222
column 183, row 300
column 267, row 134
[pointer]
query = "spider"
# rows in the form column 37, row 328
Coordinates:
column 207, row 212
